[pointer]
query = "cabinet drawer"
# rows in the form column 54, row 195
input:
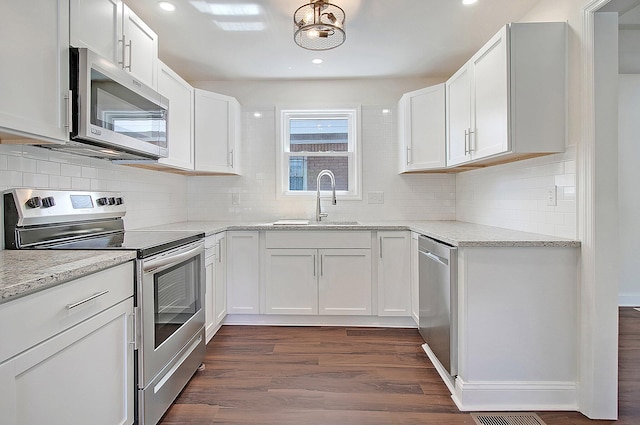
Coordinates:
column 30, row 320
column 318, row 239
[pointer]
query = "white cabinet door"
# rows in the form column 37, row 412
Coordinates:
column 212, row 132
column 209, row 295
column 140, row 48
column 509, row 100
column 81, row 376
column 243, row 270
column 180, row 126
column 216, row 292
column 458, row 91
column 111, row 29
column 490, row 99
column 344, row 285
column 291, row 285
column 394, row 274
column 415, row 279
column 422, row 129
column 220, row 284
column 97, row 25
column 34, row 75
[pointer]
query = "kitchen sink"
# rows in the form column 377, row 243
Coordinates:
column 292, row 222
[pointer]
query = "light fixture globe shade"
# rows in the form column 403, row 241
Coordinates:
column 319, row 25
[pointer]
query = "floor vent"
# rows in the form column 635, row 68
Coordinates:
column 507, row 419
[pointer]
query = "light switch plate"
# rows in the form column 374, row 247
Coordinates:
column 375, row 197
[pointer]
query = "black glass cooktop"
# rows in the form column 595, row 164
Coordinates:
column 146, row 243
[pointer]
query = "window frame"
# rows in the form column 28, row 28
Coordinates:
column 353, row 153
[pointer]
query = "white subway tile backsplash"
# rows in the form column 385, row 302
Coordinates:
column 406, row 197
column 514, row 195
column 48, row 167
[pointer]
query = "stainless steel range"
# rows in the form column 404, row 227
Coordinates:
column 169, row 293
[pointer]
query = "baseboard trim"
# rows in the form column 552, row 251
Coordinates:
column 295, row 320
column 515, row 396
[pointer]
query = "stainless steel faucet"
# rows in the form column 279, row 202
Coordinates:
column 319, row 213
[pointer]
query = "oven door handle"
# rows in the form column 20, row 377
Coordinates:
column 164, row 262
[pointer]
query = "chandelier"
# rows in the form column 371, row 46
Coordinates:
column 319, row 25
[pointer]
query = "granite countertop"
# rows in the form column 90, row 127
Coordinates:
column 26, row 271
column 456, row 233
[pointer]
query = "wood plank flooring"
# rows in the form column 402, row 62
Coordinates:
column 329, row 375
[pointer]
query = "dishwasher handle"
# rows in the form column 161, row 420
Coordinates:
column 435, row 258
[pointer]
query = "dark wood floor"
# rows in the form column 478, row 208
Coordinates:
column 335, row 376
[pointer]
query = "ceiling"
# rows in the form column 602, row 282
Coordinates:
column 385, row 38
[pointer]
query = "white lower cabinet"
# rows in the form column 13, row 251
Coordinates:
column 344, row 286
column 243, row 272
column 318, row 281
column 80, row 371
column 394, row 273
column 216, row 285
column 318, row 272
column 291, row 281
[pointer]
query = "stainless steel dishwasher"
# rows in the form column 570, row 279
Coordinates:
column 438, row 295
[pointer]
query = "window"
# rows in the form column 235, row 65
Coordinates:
column 316, row 140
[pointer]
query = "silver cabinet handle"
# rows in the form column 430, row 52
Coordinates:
column 321, row 265
column 466, row 138
column 86, row 300
column 314, row 264
column 69, row 119
column 380, row 243
column 408, row 155
column 123, row 41
column 470, row 133
column 231, row 158
column 220, row 251
column 130, row 54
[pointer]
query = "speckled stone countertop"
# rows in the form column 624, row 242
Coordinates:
column 27, row 271
column 456, row 233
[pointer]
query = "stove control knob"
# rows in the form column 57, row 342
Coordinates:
column 34, row 202
column 48, row 202
column 102, row 201
column 119, row 201
column 112, row 201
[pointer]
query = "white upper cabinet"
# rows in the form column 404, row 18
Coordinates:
column 421, row 127
column 111, row 29
column 180, row 126
column 140, row 48
column 34, row 75
column 509, row 100
column 217, row 133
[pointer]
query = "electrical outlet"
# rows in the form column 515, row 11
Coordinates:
column 552, row 196
column 375, row 197
column 235, row 199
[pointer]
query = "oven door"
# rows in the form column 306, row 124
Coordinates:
column 170, row 295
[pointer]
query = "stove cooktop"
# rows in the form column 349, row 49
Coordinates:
column 146, row 243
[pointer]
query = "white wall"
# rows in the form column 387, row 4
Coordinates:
column 628, row 178
column 406, row 197
column 152, row 198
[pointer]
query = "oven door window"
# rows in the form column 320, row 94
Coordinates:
column 176, row 298
column 116, row 108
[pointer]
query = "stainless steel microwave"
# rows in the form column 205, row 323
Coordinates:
column 114, row 115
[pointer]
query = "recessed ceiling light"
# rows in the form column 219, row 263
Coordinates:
column 386, row 111
column 257, row 114
column 468, row 2
column 165, row 5
column 317, row 61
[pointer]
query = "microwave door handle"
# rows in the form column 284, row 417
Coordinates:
column 166, row 262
